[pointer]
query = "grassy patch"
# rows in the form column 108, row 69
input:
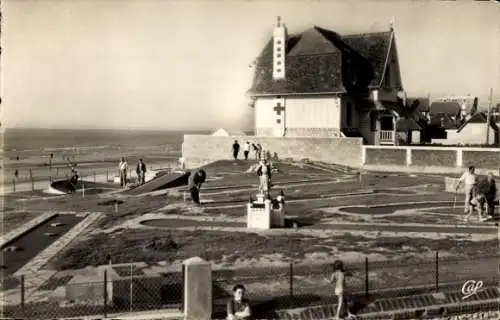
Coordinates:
column 153, row 245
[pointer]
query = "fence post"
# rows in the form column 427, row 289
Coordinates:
column 32, row 181
column 23, row 310
column 105, row 295
column 131, row 294
column 14, row 184
column 437, row 270
column 367, row 288
column 291, row 282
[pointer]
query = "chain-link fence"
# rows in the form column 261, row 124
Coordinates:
column 129, row 288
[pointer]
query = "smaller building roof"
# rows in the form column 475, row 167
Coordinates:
column 405, row 124
column 479, row 117
column 446, row 107
column 445, row 121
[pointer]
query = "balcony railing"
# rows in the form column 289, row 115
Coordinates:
column 386, row 137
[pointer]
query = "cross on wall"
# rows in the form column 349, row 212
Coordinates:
column 278, row 108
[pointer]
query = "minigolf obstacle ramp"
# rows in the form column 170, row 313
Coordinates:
column 64, row 186
column 164, row 181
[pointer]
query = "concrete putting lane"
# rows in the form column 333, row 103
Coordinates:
column 34, row 242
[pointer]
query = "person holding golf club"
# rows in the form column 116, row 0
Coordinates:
column 469, row 180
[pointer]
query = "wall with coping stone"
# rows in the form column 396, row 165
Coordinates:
column 430, row 159
column 201, row 149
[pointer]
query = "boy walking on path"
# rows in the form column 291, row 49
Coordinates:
column 338, row 277
column 469, row 179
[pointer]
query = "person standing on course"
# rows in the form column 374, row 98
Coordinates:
column 236, row 149
column 123, row 168
column 264, row 173
column 338, row 277
column 491, row 194
column 141, row 172
column 256, row 151
column 469, row 180
column 246, row 149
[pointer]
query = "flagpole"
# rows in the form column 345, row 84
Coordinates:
column 488, row 117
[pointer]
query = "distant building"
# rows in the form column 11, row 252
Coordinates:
column 227, row 133
column 448, row 108
column 321, row 84
column 471, row 132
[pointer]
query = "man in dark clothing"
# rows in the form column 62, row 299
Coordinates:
column 195, row 181
column 141, row 172
column 491, row 194
column 236, row 149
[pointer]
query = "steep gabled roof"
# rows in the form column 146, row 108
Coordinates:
column 304, row 74
column 374, row 47
column 314, row 59
column 479, row 117
column 448, row 107
column 312, row 42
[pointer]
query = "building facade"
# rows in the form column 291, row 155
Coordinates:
column 321, row 84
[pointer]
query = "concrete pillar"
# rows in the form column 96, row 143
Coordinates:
column 377, row 133
column 408, row 157
column 460, row 161
column 363, row 155
column 394, row 140
column 197, row 289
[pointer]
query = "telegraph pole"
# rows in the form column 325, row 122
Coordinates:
column 488, row 117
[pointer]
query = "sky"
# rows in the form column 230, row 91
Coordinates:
column 179, row 65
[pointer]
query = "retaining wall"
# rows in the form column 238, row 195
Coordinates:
column 430, row 159
column 200, row 149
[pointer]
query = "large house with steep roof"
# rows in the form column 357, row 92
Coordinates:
column 321, row 84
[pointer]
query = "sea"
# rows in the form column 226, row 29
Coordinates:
column 56, row 140
column 38, row 149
